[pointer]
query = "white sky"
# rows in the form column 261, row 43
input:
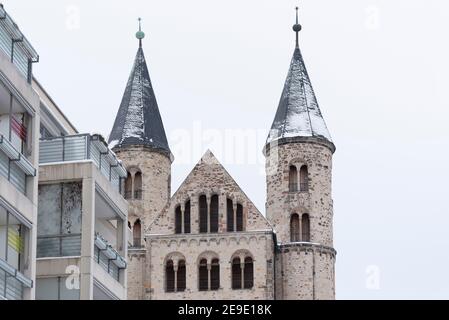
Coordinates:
column 380, row 71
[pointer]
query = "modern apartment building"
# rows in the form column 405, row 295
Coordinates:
column 63, row 219
column 19, row 161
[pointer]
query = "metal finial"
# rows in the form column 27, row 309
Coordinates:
column 297, row 27
column 140, row 34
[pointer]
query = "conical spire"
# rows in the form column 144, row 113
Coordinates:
column 298, row 114
column 138, row 120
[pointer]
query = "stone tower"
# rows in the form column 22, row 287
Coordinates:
column 138, row 138
column 299, row 204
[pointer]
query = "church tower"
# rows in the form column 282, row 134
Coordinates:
column 299, row 204
column 139, row 140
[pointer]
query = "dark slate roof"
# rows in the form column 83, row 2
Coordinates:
column 138, row 120
column 298, row 114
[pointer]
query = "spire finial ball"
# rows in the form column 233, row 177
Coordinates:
column 297, row 27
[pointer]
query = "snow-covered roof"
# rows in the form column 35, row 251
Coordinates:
column 138, row 120
column 298, row 114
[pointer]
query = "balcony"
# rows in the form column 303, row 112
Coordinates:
column 15, row 46
column 82, row 148
column 108, row 258
column 12, row 282
column 14, row 166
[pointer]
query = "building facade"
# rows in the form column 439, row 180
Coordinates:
column 63, row 218
column 208, row 240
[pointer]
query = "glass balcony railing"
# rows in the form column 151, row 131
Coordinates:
column 12, row 282
column 80, row 148
column 14, row 166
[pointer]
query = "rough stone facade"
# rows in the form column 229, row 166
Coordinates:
column 282, row 269
column 306, row 270
column 156, row 183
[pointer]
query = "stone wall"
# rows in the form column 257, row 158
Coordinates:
column 304, row 270
column 190, row 248
column 317, row 202
column 156, row 182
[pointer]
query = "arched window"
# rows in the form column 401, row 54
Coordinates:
column 181, row 276
column 178, row 220
column 203, row 276
column 236, row 274
column 214, row 214
column 230, row 215
column 128, row 187
column 187, row 218
column 215, row 275
column 293, row 179
column 248, row 273
column 138, row 186
column 137, row 234
column 294, row 228
column 239, row 217
column 242, row 273
column 304, row 179
column 203, row 214
column 170, row 276
column 305, row 228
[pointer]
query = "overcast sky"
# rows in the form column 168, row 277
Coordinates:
column 380, row 70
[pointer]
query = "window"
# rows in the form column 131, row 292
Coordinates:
column 138, row 186
column 56, row 289
column 137, row 234
column 242, row 273
column 239, row 217
column 59, row 220
column 236, row 274
column 305, row 228
column 293, row 179
column 294, row 228
column 181, row 276
column 230, row 215
column 170, row 276
column 203, row 276
column 304, row 179
column 248, row 273
column 187, row 218
column 178, row 220
column 214, row 214
column 182, row 219
column 215, row 275
column 235, row 221
column 209, row 275
column 12, row 240
column 203, row 214
column 129, row 187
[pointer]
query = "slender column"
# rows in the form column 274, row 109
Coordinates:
column 175, row 268
column 209, row 202
column 235, row 215
column 209, row 267
column 183, row 210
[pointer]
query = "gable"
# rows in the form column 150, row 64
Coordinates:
column 208, row 178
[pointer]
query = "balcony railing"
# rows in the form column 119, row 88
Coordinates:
column 14, row 44
column 12, row 282
column 80, row 148
column 68, row 245
column 108, row 258
column 14, row 166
